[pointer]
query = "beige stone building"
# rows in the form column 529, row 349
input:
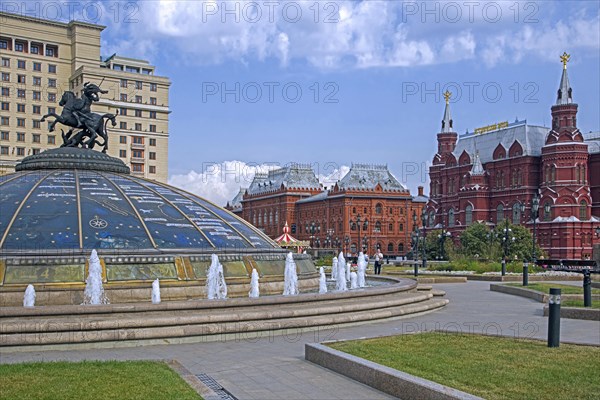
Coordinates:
column 40, row 59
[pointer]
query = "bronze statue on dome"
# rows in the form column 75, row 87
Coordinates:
column 77, row 114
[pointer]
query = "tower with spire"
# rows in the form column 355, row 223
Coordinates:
column 564, row 167
column 447, row 137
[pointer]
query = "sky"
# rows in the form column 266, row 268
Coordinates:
column 259, row 84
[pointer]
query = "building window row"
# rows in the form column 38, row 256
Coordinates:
column 137, row 126
column 18, row 151
column 35, row 137
column 22, row 65
column 35, row 94
column 24, row 46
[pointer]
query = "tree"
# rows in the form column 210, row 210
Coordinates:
column 475, row 241
column 519, row 242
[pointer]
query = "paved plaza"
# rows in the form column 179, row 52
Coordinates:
column 274, row 367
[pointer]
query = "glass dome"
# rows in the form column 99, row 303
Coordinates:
column 78, row 210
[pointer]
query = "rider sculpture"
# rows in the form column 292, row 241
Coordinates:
column 77, row 114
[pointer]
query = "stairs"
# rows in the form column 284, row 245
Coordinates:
column 169, row 322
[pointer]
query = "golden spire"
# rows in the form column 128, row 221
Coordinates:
column 447, row 96
column 565, row 59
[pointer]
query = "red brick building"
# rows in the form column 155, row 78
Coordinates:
column 487, row 175
column 329, row 218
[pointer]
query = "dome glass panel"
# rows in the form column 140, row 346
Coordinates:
column 88, row 209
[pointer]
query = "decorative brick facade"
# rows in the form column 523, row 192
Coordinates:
column 370, row 192
column 486, row 176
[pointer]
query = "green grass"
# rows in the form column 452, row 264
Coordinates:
column 490, row 367
column 545, row 288
column 93, row 380
column 578, row 303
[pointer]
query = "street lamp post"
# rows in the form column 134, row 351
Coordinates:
column 337, row 243
column 313, row 229
column 442, row 239
column 328, row 240
column 415, row 243
column 358, row 224
column 347, row 242
column 535, row 206
column 505, row 239
column 423, row 222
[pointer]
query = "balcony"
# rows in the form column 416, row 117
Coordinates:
column 138, row 146
column 137, row 160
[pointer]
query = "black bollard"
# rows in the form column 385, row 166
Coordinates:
column 525, row 274
column 416, row 269
column 503, row 266
column 587, row 288
column 554, row 318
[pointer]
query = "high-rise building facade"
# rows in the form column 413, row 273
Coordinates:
column 41, row 59
column 493, row 174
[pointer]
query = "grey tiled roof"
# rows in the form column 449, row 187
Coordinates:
column 593, row 141
column 420, row 199
column 236, row 202
column 295, row 176
column 367, row 176
column 532, row 138
column 316, row 197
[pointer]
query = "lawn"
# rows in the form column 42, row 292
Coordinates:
column 490, row 367
column 578, row 303
column 93, row 380
column 545, row 288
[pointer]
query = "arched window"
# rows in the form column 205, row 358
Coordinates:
column 499, row 213
column 516, row 212
column 390, row 247
column 378, row 209
column 401, row 248
column 553, row 174
column 451, row 217
column 469, row 215
column 365, row 210
column 577, row 174
column 353, row 210
column 583, row 210
column 547, row 215
column 353, row 226
column 583, row 174
column 277, row 217
column 391, row 227
column 401, row 228
column 377, row 226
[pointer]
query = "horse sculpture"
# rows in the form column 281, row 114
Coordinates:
column 77, row 114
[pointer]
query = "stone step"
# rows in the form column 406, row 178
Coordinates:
column 199, row 304
column 170, row 318
column 216, row 328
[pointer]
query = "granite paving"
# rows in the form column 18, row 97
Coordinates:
column 273, row 366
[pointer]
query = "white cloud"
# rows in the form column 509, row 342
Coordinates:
column 358, row 34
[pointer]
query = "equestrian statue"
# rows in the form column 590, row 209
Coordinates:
column 77, row 114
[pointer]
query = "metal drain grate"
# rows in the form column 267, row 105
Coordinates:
column 216, row 387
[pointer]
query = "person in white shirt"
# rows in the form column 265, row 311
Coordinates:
column 378, row 261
